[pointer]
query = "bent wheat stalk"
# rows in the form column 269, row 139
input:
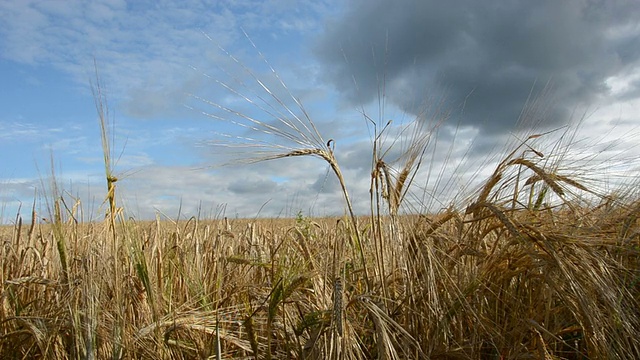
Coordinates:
column 294, row 131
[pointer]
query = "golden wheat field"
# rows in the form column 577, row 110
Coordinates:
column 320, row 180
column 505, row 278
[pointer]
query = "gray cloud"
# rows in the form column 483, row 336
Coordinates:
column 485, row 55
column 250, row 186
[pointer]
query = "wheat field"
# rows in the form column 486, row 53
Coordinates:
column 491, row 282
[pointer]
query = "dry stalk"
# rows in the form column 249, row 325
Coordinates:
column 547, row 178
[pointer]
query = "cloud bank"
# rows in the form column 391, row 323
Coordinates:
column 485, row 57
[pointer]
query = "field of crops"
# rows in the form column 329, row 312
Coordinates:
column 507, row 277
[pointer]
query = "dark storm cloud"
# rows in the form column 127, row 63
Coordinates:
column 485, row 55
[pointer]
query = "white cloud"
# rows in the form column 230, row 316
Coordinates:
column 144, row 50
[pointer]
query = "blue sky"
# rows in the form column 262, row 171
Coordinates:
column 474, row 64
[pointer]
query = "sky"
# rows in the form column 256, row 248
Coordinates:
column 183, row 81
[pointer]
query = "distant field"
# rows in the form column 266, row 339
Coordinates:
column 492, row 282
